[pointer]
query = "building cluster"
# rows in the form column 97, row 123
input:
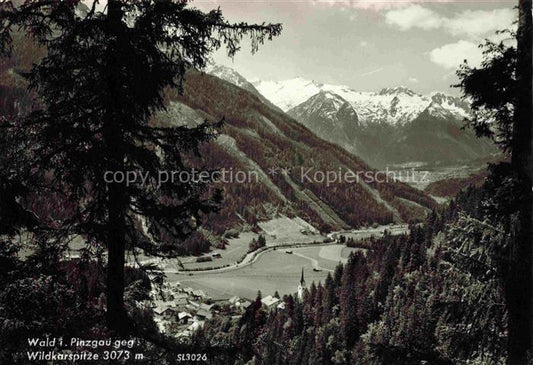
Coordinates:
column 180, row 311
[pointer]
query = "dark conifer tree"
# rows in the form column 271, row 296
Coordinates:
column 102, row 79
column 500, row 91
column 330, row 298
column 348, row 304
column 520, row 281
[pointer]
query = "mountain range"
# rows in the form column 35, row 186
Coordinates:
column 394, row 106
column 264, row 139
column 393, row 126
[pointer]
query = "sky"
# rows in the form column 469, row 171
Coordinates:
column 366, row 44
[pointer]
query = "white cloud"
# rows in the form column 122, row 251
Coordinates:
column 471, row 23
column 413, row 80
column 414, row 16
column 478, row 23
column 453, row 54
column 363, row 43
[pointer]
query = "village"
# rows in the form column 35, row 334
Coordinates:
column 180, row 311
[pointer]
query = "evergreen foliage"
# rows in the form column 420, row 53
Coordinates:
column 102, row 78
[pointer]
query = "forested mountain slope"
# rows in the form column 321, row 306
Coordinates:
column 286, row 156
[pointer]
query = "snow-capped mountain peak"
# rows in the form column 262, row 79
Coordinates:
column 457, row 107
column 399, row 90
column 228, row 74
column 327, row 105
column 328, row 115
column 289, row 93
column 394, row 106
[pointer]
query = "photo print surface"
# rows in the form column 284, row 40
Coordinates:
column 252, row 182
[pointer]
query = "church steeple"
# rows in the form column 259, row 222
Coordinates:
column 301, row 286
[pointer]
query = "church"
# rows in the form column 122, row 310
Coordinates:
column 301, row 286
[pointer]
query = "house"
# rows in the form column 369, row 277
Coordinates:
column 281, row 305
column 194, row 304
column 206, row 307
column 269, row 301
column 180, row 301
column 234, row 300
column 244, row 304
column 184, row 317
column 169, row 313
column 202, row 314
column 191, row 307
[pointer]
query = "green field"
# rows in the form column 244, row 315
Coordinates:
column 278, row 231
column 273, row 270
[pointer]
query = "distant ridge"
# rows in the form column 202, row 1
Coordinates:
column 393, row 126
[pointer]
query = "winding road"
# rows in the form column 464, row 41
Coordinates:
column 332, row 253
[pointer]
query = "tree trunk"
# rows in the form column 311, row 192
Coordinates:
column 116, row 313
column 520, row 280
column 117, row 200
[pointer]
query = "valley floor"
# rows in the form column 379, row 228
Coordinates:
column 277, row 268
